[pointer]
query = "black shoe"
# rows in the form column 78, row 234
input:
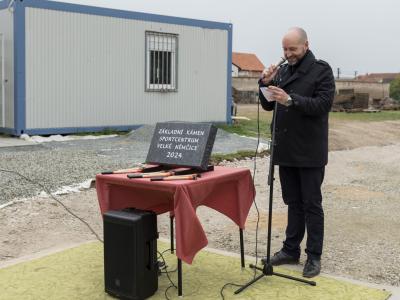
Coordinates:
column 281, row 258
column 312, row 268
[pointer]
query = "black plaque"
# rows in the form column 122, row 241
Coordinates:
column 182, row 144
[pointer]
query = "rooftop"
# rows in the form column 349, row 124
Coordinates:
column 378, row 77
column 247, row 62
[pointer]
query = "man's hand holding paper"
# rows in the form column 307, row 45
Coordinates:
column 273, row 93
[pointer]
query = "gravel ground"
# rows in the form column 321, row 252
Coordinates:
column 362, row 215
column 58, row 164
column 361, row 200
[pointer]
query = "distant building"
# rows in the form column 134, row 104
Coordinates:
column 376, row 90
column 246, row 69
column 376, row 85
column 246, row 65
column 378, row 77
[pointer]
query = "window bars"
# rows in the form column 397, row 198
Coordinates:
column 161, row 61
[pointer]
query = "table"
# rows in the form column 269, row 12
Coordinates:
column 230, row 191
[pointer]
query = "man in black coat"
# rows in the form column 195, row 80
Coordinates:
column 303, row 89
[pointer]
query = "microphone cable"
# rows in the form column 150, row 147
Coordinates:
column 254, row 176
column 165, row 267
column 254, row 202
column 47, row 191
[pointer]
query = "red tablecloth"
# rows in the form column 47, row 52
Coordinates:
column 227, row 190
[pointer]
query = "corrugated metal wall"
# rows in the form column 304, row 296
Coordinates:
column 7, row 29
column 86, row 70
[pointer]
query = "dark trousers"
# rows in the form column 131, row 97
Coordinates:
column 301, row 191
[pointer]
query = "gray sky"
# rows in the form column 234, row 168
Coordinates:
column 355, row 35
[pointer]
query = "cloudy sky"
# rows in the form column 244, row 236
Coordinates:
column 352, row 35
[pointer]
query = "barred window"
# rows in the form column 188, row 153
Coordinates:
column 161, row 61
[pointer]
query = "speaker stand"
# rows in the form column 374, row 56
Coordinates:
column 268, row 269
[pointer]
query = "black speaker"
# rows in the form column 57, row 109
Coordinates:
column 130, row 253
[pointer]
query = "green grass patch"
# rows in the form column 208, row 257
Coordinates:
column 249, row 127
column 257, row 118
column 217, row 158
column 78, row 273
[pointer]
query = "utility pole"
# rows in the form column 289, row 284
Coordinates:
column 338, row 73
column 355, row 74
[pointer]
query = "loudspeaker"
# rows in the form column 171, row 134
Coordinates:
column 130, row 253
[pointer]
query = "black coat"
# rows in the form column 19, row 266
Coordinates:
column 301, row 138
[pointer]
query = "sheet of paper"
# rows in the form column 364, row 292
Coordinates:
column 267, row 94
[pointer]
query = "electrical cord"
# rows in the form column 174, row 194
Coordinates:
column 47, row 191
column 227, row 284
column 169, row 249
column 165, row 266
column 161, row 253
column 254, row 176
column 166, row 291
column 91, row 229
column 169, row 272
column 166, row 272
column 254, row 202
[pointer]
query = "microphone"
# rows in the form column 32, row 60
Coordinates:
column 277, row 66
column 281, row 62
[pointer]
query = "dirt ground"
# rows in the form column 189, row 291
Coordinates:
column 345, row 135
column 361, row 200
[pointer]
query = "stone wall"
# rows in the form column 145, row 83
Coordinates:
column 245, row 83
column 245, row 89
column 347, row 99
column 375, row 90
column 244, row 97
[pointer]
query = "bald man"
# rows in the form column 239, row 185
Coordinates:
column 303, row 88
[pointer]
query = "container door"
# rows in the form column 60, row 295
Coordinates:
column 2, row 95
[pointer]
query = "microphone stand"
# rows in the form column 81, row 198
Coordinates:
column 268, row 269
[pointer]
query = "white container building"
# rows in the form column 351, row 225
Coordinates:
column 68, row 68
